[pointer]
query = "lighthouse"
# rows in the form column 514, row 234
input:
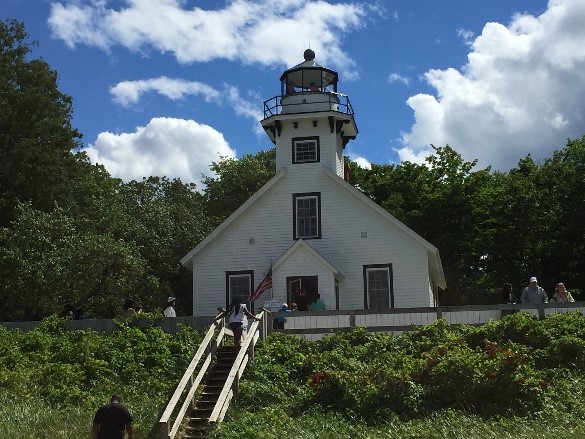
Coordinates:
column 310, row 122
column 310, row 235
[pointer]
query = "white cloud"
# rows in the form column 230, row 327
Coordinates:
column 252, row 31
column 522, row 91
column 362, row 162
column 175, row 148
column 465, row 34
column 395, row 77
column 129, row 92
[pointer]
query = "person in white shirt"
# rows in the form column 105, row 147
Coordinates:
column 170, row 308
column 238, row 322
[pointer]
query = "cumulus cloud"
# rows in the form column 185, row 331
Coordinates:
column 521, row 92
column 175, row 148
column 251, row 31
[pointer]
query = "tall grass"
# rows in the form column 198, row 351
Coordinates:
column 33, row 418
column 447, row 424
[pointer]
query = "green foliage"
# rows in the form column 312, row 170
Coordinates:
column 519, row 366
column 60, row 372
column 37, row 142
column 508, row 378
column 49, row 261
column 236, row 181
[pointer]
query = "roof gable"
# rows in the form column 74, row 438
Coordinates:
column 234, row 216
column 302, row 246
column 432, row 251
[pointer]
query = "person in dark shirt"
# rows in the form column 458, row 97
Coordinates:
column 111, row 420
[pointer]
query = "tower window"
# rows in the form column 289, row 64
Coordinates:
column 307, row 215
column 306, row 150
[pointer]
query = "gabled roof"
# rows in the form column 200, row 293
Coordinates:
column 301, row 245
column 435, row 264
column 230, row 219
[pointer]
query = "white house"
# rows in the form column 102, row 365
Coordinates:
column 313, row 229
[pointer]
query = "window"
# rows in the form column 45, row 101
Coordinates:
column 307, row 215
column 238, row 283
column 305, row 150
column 378, row 290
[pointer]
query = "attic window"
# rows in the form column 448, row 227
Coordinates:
column 305, row 149
column 307, row 215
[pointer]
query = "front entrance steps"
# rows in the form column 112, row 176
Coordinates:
column 197, row 424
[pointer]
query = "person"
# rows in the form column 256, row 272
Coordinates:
column 170, row 308
column 290, row 88
column 317, row 304
column 561, row 294
column 128, row 309
column 112, row 419
column 279, row 321
column 238, row 322
column 508, row 295
column 314, row 87
column 293, row 306
column 533, row 293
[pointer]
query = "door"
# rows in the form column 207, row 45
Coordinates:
column 302, row 290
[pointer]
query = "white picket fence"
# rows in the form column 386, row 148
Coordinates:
column 315, row 324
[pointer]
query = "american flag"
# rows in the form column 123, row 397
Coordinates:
column 262, row 286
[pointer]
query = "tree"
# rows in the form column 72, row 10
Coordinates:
column 36, row 137
column 47, row 262
column 166, row 219
column 236, row 181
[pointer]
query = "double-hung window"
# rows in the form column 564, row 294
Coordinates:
column 378, row 290
column 239, row 283
column 305, row 149
column 307, row 215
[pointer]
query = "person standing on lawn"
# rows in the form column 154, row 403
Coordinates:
column 112, row 420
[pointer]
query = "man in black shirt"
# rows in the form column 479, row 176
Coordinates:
column 111, row 419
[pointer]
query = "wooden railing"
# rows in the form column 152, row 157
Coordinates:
column 257, row 331
column 189, row 383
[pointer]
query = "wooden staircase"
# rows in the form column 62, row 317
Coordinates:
column 197, row 422
column 210, row 381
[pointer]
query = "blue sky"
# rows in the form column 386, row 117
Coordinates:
column 165, row 87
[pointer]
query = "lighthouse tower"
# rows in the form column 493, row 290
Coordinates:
column 309, row 122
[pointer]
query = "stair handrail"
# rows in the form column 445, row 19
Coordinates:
column 207, row 345
column 246, row 351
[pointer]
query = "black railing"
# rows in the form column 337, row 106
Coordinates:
column 324, row 101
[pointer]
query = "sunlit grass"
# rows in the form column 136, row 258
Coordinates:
column 35, row 419
column 441, row 425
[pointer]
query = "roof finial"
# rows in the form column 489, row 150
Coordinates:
column 309, row 55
